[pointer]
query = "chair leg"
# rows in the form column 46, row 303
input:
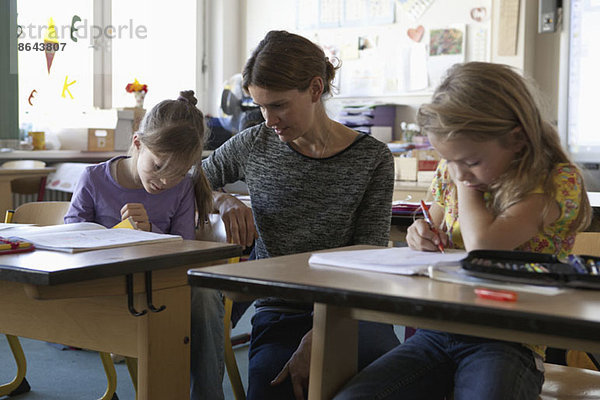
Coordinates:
column 230, row 362
column 19, row 384
column 42, row 189
column 111, row 377
column 132, row 368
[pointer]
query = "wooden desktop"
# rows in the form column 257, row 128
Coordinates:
column 341, row 297
column 82, row 300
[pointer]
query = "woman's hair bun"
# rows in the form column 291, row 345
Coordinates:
column 188, row 95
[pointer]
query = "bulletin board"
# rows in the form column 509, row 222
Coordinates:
column 396, row 47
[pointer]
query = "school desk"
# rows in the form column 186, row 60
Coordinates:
column 82, row 300
column 7, row 175
column 341, row 297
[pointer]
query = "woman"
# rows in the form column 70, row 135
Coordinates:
column 314, row 184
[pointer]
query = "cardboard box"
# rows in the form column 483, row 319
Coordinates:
column 101, row 139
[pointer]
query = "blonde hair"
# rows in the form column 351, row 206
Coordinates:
column 175, row 130
column 485, row 101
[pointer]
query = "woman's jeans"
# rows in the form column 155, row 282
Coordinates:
column 275, row 337
column 431, row 365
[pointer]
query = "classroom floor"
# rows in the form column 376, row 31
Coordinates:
column 56, row 374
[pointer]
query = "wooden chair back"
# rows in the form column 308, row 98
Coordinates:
column 41, row 213
column 26, row 185
column 587, row 243
column 23, row 164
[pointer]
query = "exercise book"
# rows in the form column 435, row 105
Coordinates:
column 395, row 260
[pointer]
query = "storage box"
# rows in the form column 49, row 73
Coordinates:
column 124, row 129
column 425, row 176
column 405, row 168
column 101, row 139
column 427, row 165
column 382, row 133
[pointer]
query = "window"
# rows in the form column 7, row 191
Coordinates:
column 584, row 81
column 165, row 58
column 55, row 67
column 80, row 54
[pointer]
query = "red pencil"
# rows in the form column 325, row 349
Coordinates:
column 433, row 228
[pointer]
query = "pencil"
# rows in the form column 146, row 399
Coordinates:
column 430, row 223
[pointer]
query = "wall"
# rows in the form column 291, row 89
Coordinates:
column 9, row 109
column 537, row 55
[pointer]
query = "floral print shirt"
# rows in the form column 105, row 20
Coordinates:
column 556, row 238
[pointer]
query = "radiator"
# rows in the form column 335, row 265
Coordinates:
column 49, row 195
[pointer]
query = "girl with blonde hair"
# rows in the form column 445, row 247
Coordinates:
column 504, row 183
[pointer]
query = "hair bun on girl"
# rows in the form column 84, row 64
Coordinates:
column 188, row 95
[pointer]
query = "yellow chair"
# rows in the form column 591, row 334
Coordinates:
column 214, row 230
column 48, row 213
column 569, row 382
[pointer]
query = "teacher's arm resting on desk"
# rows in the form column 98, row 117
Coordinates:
column 237, row 217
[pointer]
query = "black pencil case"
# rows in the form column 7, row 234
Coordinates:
column 534, row 268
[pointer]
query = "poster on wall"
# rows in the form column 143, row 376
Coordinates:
column 446, row 48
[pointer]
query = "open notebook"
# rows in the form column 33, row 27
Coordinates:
column 83, row 236
column 395, row 260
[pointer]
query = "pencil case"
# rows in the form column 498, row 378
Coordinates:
column 14, row 245
column 580, row 271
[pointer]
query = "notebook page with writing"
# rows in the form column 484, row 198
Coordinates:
column 395, row 260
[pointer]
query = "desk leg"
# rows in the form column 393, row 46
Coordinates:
column 334, row 351
column 164, row 347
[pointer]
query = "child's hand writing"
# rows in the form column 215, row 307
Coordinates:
column 139, row 215
column 419, row 236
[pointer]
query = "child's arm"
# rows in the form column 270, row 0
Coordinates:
column 419, row 235
column 137, row 211
column 482, row 230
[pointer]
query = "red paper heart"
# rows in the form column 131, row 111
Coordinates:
column 478, row 14
column 416, row 34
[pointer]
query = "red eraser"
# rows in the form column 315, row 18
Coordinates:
column 495, row 294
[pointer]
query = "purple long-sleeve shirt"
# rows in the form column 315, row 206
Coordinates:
column 99, row 198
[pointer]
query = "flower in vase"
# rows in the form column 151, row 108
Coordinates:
column 139, row 91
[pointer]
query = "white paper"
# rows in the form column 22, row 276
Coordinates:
column 83, row 236
column 66, row 176
column 5, row 226
column 395, row 260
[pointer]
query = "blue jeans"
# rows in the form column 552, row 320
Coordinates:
column 275, row 337
column 431, row 365
column 207, row 345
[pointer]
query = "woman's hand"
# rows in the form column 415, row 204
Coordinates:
column 237, row 218
column 419, row 236
column 297, row 368
column 139, row 215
